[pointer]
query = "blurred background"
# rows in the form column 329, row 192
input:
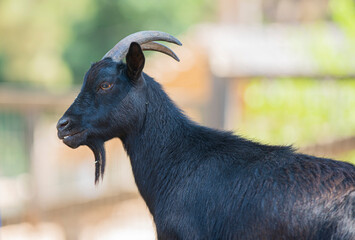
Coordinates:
column 275, row 71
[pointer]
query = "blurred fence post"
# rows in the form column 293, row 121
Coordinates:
column 215, row 114
column 33, row 209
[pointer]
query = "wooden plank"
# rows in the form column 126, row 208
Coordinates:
column 22, row 100
column 331, row 149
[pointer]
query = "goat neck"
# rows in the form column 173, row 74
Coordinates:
column 159, row 140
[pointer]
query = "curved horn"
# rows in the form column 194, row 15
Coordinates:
column 118, row 52
column 154, row 46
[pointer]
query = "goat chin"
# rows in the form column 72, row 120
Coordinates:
column 98, row 148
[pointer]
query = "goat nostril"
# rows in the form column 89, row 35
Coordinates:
column 62, row 123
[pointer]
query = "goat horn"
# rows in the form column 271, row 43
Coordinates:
column 154, row 46
column 119, row 51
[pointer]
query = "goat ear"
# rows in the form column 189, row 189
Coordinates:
column 135, row 61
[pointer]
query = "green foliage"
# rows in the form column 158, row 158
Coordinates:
column 34, row 35
column 343, row 13
column 332, row 58
column 2, row 60
column 298, row 111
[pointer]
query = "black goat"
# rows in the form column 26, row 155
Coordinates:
column 200, row 183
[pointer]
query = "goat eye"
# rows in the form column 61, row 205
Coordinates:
column 105, row 85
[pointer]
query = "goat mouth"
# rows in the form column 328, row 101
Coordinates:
column 73, row 140
column 70, row 135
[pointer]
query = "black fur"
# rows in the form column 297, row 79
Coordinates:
column 200, row 183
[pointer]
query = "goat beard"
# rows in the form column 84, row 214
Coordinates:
column 97, row 147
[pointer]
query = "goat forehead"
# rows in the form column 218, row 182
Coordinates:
column 100, row 70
